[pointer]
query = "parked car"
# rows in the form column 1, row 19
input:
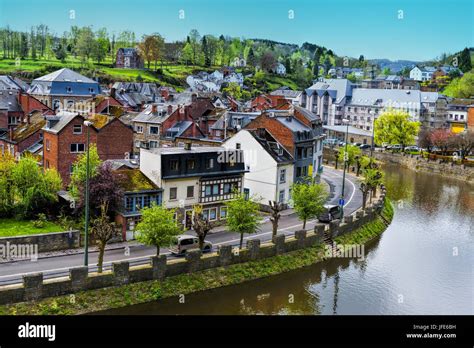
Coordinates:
column 396, row 147
column 331, row 212
column 412, row 149
column 187, row 242
column 357, row 144
column 364, row 146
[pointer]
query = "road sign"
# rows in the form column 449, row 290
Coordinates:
column 341, row 201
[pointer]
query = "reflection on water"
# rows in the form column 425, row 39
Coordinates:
column 422, row 264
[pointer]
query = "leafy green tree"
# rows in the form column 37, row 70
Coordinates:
column 461, row 87
column 395, row 127
column 308, row 200
column 233, row 89
column 465, row 60
column 7, row 163
column 373, row 178
column 386, row 71
column 243, row 216
column 79, row 172
column 85, row 44
column 157, row 227
column 352, row 152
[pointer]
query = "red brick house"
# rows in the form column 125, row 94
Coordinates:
column 65, row 138
column 128, row 58
column 267, row 101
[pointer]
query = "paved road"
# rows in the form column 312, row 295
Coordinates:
column 57, row 266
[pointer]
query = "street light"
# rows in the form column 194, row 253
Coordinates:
column 373, row 133
column 346, row 158
column 86, row 224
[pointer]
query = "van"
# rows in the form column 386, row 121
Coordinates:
column 331, row 212
column 187, row 242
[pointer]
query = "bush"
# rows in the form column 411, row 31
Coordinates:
column 41, row 221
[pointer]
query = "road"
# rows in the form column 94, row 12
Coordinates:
column 58, row 266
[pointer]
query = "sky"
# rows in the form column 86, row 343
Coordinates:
column 394, row 29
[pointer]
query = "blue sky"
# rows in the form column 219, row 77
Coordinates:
column 349, row 27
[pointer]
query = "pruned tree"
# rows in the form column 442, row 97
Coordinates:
column 103, row 231
column 201, row 225
column 276, row 208
column 424, row 140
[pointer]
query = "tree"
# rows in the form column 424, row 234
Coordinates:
column 424, row 140
column 157, row 227
column 395, row 127
column 372, row 178
column 465, row 60
column 251, row 59
column 308, row 200
column 104, row 190
column 275, row 217
column 79, row 172
column 149, row 48
column 7, row 163
column 464, row 143
column 352, row 152
column 243, row 216
column 233, row 89
column 102, row 231
column 461, row 87
column 101, row 45
column 201, row 225
column 194, row 38
column 85, row 43
column 442, row 139
column 268, row 61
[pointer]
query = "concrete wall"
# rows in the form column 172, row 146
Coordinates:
column 419, row 163
column 35, row 287
column 47, row 241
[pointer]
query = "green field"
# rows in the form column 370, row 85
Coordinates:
column 12, row 227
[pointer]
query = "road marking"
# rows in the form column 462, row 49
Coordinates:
column 353, row 188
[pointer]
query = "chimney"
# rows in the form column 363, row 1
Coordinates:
column 112, row 92
column 170, row 109
column 154, row 108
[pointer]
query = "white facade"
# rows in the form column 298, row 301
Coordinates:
column 265, row 177
column 280, row 69
column 418, row 74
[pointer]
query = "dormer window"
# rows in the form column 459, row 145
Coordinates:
column 69, row 89
column 91, row 90
column 77, row 129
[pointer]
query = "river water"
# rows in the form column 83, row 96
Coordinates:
column 422, row 264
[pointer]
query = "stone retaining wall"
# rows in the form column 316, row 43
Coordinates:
column 418, row 163
column 46, row 241
column 35, row 287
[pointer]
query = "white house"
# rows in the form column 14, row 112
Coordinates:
column 422, row 74
column 280, row 69
column 239, row 62
column 269, row 166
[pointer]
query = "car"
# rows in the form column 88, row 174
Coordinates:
column 357, row 144
column 186, row 242
column 364, row 146
column 331, row 212
column 412, row 149
column 396, row 147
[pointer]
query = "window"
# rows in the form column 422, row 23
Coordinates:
column 77, row 129
column 282, row 176
column 211, row 190
column 223, row 213
column 174, row 165
column 299, row 153
column 146, row 201
column 153, row 144
column 129, row 203
column 310, row 152
column 75, row 148
column 190, row 192
column 205, row 214
column 48, row 145
column 305, row 171
column 191, row 164
column 154, row 130
column 173, row 193
column 237, row 146
column 298, row 171
column 69, row 89
column 91, row 90
column 47, row 163
column 227, row 188
column 281, row 196
column 212, row 214
column 210, row 163
column 139, row 129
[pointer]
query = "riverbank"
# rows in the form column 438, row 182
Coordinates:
column 142, row 292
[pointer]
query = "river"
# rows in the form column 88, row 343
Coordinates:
column 422, row 264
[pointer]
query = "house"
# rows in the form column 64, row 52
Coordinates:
column 13, row 83
column 366, row 105
column 134, row 95
column 238, row 62
column 390, row 82
column 159, row 122
column 26, row 137
column 304, row 143
column 128, row 58
column 268, row 101
column 457, row 114
column 286, row 93
column 422, row 74
column 280, row 69
column 138, row 192
column 269, row 165
column 64, row 89
column 65, row 138
column 230, row 123
column 327, row 99
column 188, row 175
column 354, row 134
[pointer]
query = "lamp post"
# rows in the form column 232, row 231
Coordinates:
column 86, row 224
column 373, row 134
column 341, row 200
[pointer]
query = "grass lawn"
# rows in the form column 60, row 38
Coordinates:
column 13, row 227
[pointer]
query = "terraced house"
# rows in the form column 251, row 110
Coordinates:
column 188, row 175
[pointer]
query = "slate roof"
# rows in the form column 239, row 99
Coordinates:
column 59, row 82
column 338, row 89
column 24, row 130
column 147, row 116
column 271, row 146
column 287, row 93
column 352, row 130
column 129, row 51
column 63, row 118
column 66, row 75
column 384, row 97
column 9, row 82
column 310, row 116
column 9, row 101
